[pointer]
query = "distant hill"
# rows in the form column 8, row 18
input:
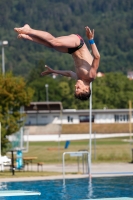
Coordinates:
column 112, row 21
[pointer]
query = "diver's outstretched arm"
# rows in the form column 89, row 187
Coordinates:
column 61, row 72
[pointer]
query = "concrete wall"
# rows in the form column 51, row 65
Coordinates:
column 44, row 130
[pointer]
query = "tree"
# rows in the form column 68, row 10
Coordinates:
column 114, row 90
column 13, row 95
column 112, row 21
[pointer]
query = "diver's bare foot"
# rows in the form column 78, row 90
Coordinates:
column 24, row 36
column 23, row 30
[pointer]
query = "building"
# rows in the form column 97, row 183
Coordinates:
column 42, row 113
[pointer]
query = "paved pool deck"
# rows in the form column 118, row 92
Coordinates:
column 97, row 170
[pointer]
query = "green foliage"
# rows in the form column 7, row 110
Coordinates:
column 114, row 90
column 112, row 21
column 13, row 95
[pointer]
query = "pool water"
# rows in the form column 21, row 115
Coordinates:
column 103, row 187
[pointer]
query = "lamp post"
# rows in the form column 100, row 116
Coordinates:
column 46, row 86
column 3, row 43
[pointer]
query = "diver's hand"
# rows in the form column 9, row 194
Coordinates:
column 89, row 33
column 47, row 71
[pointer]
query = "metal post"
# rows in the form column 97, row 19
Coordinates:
column 46, row 85
column 3, row 43
column 83, row 163
column 78, row 163
column 90, row 127
column 86, row 160
column 13, row 168
column 3, row 61
column 60, row 132
column 94, row 146
column 88, row 157
column 78, row 154
column 59, row 146
column 63, row 165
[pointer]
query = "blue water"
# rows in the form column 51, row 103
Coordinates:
column 103, row 187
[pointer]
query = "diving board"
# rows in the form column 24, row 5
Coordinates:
column 9, row 193
column 119, row 198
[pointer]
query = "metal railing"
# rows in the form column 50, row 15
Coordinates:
column 85, row 155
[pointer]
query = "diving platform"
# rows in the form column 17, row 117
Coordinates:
column 11, row 193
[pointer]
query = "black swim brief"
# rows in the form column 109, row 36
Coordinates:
column 72, row 50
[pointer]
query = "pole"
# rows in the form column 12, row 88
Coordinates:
column 60, row 132
column 90, row 127
column 13, row 168
column 46, row 85
column 1, row 162
column 3, row 61
column 2, row 44
column 95, row 145
column 63, row 166
column 130, row 126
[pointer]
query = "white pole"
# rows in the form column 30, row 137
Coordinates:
column 3, row 61
column 90, row 112
column 47, row 98
column 3, row 43
column 63, row 166
column 1, row 162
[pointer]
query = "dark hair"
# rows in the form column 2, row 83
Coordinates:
column 83, row 96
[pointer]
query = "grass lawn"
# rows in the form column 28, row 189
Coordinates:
column 103, row 150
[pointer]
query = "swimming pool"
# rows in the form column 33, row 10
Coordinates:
column 103, row 187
